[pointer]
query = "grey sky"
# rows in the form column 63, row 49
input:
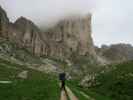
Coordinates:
column 112, row 19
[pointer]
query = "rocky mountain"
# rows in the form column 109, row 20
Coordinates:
column 116, row 52
column 27, row 34
column 72, row 35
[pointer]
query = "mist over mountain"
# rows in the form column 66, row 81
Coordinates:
column 111, row 19
column 71, row 35
column 66, row 38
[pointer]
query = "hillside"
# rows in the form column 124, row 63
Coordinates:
column 36, row 85
column 117, row 82
column 27, row 74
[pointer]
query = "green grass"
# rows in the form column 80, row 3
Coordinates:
column 76, row 89
column 118, row 82
column 38, row 86
column 30, row 90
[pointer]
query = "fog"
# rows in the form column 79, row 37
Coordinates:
column 112, row 20
column 46, row 11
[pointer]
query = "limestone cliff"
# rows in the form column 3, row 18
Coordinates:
column 27, row 35
column 72, row 35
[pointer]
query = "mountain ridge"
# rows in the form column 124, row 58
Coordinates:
column 71, row 35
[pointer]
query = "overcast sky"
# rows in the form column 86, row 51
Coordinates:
column 112, row 20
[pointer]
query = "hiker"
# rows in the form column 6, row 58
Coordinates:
column 62, row 77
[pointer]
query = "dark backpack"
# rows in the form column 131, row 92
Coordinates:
column 62, row 76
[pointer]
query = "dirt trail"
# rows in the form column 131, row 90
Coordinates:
column 71, row 94
column 63, row 95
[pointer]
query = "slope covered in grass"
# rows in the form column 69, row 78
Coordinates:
column 118, row 82
column 91, row 94
column 38, row 86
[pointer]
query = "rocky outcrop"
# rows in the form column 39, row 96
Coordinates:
column 116, row 52
column 23, row 74
column 28, row 35
column 89, row 81
column 72, row 35
column 4, row 22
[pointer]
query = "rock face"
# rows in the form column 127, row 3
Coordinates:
column 23, row 74
column 4, row 21
column 89, row 81
column 69, row 36
column 27, row 35
column 116, row 52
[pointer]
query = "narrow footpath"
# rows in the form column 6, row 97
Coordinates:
column 69, row 94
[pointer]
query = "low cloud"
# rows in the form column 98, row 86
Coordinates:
column 46, row 11
column 111, row 23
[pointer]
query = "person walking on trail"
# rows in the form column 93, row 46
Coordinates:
column 62, row 78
